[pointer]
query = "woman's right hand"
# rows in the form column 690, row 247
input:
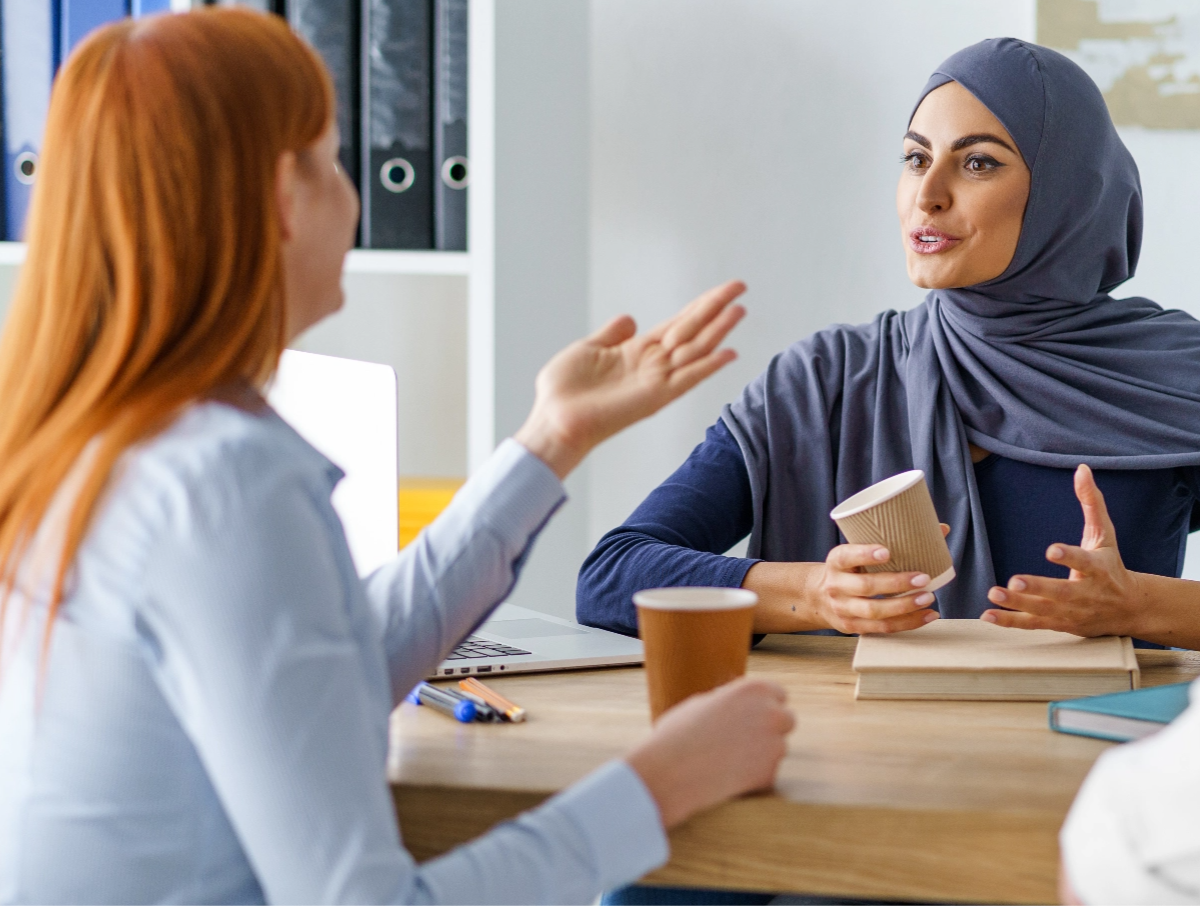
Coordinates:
column 714, row 746
column 849, row 601
column 837, row 594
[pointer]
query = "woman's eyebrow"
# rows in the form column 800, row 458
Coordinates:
column 919, row 139
column 978, row 138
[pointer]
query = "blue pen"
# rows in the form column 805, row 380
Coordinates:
column 460, row 709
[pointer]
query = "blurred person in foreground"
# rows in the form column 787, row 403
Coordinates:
column 194, row 683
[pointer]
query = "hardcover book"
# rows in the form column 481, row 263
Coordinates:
column 976, row 660
column 1122, row 716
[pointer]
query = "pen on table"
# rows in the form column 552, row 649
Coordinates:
column 459, row 708
column 477, row 690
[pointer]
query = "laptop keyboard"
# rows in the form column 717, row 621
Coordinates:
column 475, row 647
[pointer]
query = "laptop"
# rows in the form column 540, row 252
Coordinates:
column 347, row 410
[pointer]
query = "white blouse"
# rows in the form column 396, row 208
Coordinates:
column 1132, row 835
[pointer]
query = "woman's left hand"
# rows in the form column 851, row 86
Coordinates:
column 606, row 382
column 1101, row 597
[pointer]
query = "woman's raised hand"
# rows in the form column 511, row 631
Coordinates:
column 606, row 382
column 714, row 746
column 1100, row 597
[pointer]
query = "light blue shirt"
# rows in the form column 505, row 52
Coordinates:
column 213, row 716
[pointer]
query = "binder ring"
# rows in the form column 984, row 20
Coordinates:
column 25, row 167
column 388, row 178
column 456, row 172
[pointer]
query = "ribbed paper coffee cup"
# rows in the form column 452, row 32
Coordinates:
column 898, row 513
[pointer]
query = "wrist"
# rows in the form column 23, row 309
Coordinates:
column 786, row 598
column 661, row 781
column 553, row 447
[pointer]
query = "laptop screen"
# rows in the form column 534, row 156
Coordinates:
column 347, row 410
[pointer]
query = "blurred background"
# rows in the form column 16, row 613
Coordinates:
column 643, row 150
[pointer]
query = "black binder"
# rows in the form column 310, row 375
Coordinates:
column 332, row 28
column 450, row 124
column 397, row 134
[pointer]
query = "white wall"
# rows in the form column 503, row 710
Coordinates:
column 417, row 325
column 756, row 140
column 541, row 236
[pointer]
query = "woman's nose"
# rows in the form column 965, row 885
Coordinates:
column 934, row 193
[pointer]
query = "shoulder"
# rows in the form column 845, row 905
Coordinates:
column 841, row 344
column 214, row 460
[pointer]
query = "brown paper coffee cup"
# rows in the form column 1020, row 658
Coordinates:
column 695, row 639
column 898, row 513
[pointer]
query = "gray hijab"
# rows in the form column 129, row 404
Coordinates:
column 1039, row 365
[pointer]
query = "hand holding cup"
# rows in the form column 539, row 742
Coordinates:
column 884, row 579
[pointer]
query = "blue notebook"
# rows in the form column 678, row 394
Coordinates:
column 1120, row 716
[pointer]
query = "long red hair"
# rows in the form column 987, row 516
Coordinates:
column 153, row 274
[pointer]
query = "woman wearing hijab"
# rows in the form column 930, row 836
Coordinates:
column 194, row 683
column 1020, row 210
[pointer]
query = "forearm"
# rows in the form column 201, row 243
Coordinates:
column 1168, row 611
column 788, row 596
column 448, row 580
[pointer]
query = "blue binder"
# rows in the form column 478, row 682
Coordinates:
column 139, row 8
column 1120, row 716
column 28, row 47
column 80, row 17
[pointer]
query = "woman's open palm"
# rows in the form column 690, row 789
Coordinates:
column 606, row 382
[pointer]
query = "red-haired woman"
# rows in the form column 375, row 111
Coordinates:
column 195, row 685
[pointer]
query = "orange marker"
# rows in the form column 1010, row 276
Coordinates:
column 474, row 688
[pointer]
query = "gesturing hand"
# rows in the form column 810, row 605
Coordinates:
column 1101, row 597
column 606, row 382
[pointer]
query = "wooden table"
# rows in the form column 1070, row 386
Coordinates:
column 915, row 800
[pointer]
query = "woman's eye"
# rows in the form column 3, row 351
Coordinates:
column 915, row 160
column 981, row 163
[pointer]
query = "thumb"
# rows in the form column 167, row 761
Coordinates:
column 1098, row 530
column 615, row 332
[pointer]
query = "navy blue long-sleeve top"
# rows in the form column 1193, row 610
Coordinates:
column 679, row 534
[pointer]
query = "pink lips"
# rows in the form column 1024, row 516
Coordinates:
column 930, row 241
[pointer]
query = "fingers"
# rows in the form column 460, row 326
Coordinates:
column 945, row 530
column 1098, row 530
column 1031, row 602
column 1087, row 562
column 848, row 557
column 845, row 559
column 684, row 379
column 699, row 312
column 615, row 332
column 883, row 609
column 1018, row 620
column 707, row 339
column 885, row 627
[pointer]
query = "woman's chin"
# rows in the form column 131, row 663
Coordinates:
column 939, row 278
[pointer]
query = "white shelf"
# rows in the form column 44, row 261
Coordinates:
column 378, row 261
column 12, row 253
column 359, row 261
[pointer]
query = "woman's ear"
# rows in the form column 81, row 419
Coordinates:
column 285, row 194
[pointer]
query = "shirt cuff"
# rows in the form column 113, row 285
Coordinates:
column 613, row 809
column 514, row 493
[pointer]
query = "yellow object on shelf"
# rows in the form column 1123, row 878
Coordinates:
column 421, row 500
